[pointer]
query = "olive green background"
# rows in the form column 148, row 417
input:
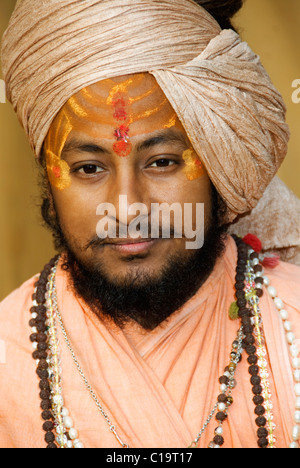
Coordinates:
column 271, row 27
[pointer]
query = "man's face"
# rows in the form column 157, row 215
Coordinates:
column 122, row 137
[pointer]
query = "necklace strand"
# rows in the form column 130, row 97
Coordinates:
column 82, row 375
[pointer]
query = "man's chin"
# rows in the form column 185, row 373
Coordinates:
column 128, row 269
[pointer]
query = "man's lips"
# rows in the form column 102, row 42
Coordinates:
column 131, row 245
column 128, row 241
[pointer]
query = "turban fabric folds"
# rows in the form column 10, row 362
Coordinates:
column 232, row 113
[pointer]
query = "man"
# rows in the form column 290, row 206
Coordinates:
column 137, row 337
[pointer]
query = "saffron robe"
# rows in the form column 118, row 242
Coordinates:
column 157, row 387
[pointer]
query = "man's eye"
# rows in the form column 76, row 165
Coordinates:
column 163, row 162
column 89, row 169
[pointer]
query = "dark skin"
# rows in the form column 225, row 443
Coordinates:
column 152, row 173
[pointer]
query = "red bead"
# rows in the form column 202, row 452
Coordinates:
column 253, row 241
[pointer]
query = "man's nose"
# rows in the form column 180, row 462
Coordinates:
column 130, row 196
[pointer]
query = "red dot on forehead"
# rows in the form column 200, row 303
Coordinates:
column 122, row 148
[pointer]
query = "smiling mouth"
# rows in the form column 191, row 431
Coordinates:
column 132, row 246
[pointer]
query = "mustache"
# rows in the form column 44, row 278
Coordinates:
column 96, row 241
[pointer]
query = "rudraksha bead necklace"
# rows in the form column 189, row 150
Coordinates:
column 58, row 425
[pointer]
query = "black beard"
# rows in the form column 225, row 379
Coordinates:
column 150, row 301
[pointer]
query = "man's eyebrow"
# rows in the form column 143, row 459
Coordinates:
column 79, row 145
column 161, row 138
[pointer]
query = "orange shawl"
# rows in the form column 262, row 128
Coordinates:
column 157, row 387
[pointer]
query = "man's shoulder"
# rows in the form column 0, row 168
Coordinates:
column 13, row 308
column 286, row 270
column 20, row 293
column 286, row 279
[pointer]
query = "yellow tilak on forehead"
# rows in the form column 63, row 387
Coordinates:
column 77, row 108
column 58, row 170
column 89, row 96
column 121, row 90
column 172, row 121
column 118, row 88
column 194, row 168
column 148, row 113
column 142, row 96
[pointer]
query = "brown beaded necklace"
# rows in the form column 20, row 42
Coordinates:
column 245, row 313
column 41, row 352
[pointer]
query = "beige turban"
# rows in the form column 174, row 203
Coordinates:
column 232, row 113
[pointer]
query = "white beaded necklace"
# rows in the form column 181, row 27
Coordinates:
column 294, row 358
column 293, row 351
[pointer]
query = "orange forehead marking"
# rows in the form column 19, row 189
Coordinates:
column 149, row 112
column 172, row 121
column 120, row 88
column 57, row 169
column 95, row 103
column 194, row 168
column 142, row 96
column 76, row 108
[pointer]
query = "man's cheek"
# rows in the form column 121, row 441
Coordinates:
column 77, row 217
